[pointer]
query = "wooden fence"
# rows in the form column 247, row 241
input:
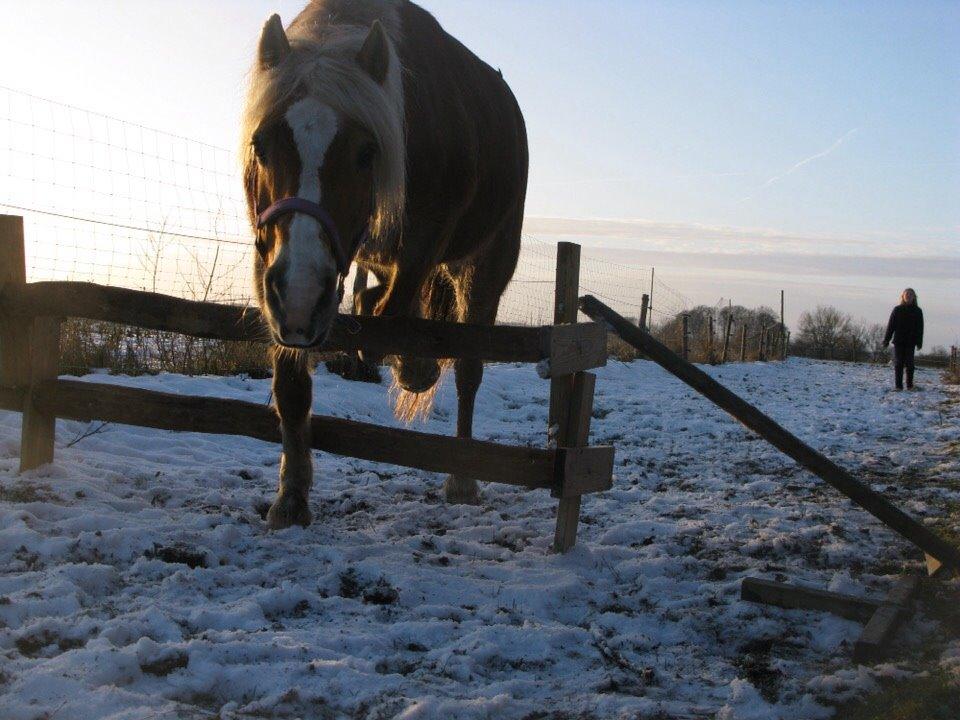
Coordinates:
column 30, row 317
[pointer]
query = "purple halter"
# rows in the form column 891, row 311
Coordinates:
column 342, row 254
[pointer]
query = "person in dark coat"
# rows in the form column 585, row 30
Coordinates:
column 905, row 328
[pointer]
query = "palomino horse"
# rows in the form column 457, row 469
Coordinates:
column 370, row 134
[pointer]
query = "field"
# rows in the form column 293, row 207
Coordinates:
column 139, row 581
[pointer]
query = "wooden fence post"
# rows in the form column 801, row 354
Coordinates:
column 711, row 334
column 726, row 338
column 743, row 342
column 644, row 307
column 38, row 429
column 571, row 396
column 14, row 334
column 684, row 341
column 761, row 349
column 29, row 351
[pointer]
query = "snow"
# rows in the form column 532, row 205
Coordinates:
column 138, row 579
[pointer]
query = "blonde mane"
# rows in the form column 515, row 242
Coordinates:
column 322, row 62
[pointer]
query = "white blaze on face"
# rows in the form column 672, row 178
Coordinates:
column 308, row 264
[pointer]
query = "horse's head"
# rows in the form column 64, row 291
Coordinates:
column 311, row 181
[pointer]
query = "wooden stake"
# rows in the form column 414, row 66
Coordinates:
column 878, row 633
column 710, row 354
column 29, row 349
column 644, row 307
column 685, row 342
column 39, row 425
column 726, row 337
column 577, row 434
column 743, row 342
column 14, row 332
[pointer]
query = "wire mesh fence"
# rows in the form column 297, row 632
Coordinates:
column 109, row 201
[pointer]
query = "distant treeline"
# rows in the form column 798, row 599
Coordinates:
column 828, row 333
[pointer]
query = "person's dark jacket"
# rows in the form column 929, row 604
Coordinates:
column 905, row 326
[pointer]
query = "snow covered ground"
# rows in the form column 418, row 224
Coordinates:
column 138, row 580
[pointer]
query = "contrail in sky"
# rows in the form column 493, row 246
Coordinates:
column 796, row 166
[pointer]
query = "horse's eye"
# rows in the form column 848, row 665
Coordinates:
column 366, row 155
column 257, row 144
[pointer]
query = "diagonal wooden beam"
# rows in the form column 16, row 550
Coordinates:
column 788, row 443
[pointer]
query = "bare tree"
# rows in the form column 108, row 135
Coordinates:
column 822, row 331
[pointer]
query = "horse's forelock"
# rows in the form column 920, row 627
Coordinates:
column 327, row 71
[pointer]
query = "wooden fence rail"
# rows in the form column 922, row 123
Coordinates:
column 565, row 348
column 566, row 471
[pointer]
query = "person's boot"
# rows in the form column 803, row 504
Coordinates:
column 910, row 379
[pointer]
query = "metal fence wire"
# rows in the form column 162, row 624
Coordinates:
column 109, row 201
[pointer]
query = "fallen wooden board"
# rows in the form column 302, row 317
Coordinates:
column 566, row 349
column 788, row 443
column 490, row 462
column 797, row 597
column 877, row 635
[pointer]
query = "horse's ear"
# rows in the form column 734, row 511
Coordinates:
column 274, row 45
column 374, row 56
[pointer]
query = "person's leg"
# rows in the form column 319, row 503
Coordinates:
column 909, row 364
column 898, row 353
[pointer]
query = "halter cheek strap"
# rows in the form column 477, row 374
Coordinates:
column 342, row 254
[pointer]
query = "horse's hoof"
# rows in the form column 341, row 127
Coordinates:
column 416, row 375
column 287, row 510
column 461, row 491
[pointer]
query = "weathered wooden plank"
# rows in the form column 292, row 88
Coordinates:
column 150, row 310
column 873, row 641
column 576, row 348
column 37, row 430
column 587, row 470
column 879, row 631
column 903, row 591
column 487, row 461
column 797, row 597
column 788, row 443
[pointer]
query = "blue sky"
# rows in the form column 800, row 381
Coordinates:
column 820, row 128
column 690, row 110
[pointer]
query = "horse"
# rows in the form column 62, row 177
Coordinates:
column 371, row 136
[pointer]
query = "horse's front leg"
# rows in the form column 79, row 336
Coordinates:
column 292, row 391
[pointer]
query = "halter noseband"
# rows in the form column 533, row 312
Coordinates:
column 341, row 253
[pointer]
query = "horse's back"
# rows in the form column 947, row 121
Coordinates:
column 466, row 143
column 466, row 139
